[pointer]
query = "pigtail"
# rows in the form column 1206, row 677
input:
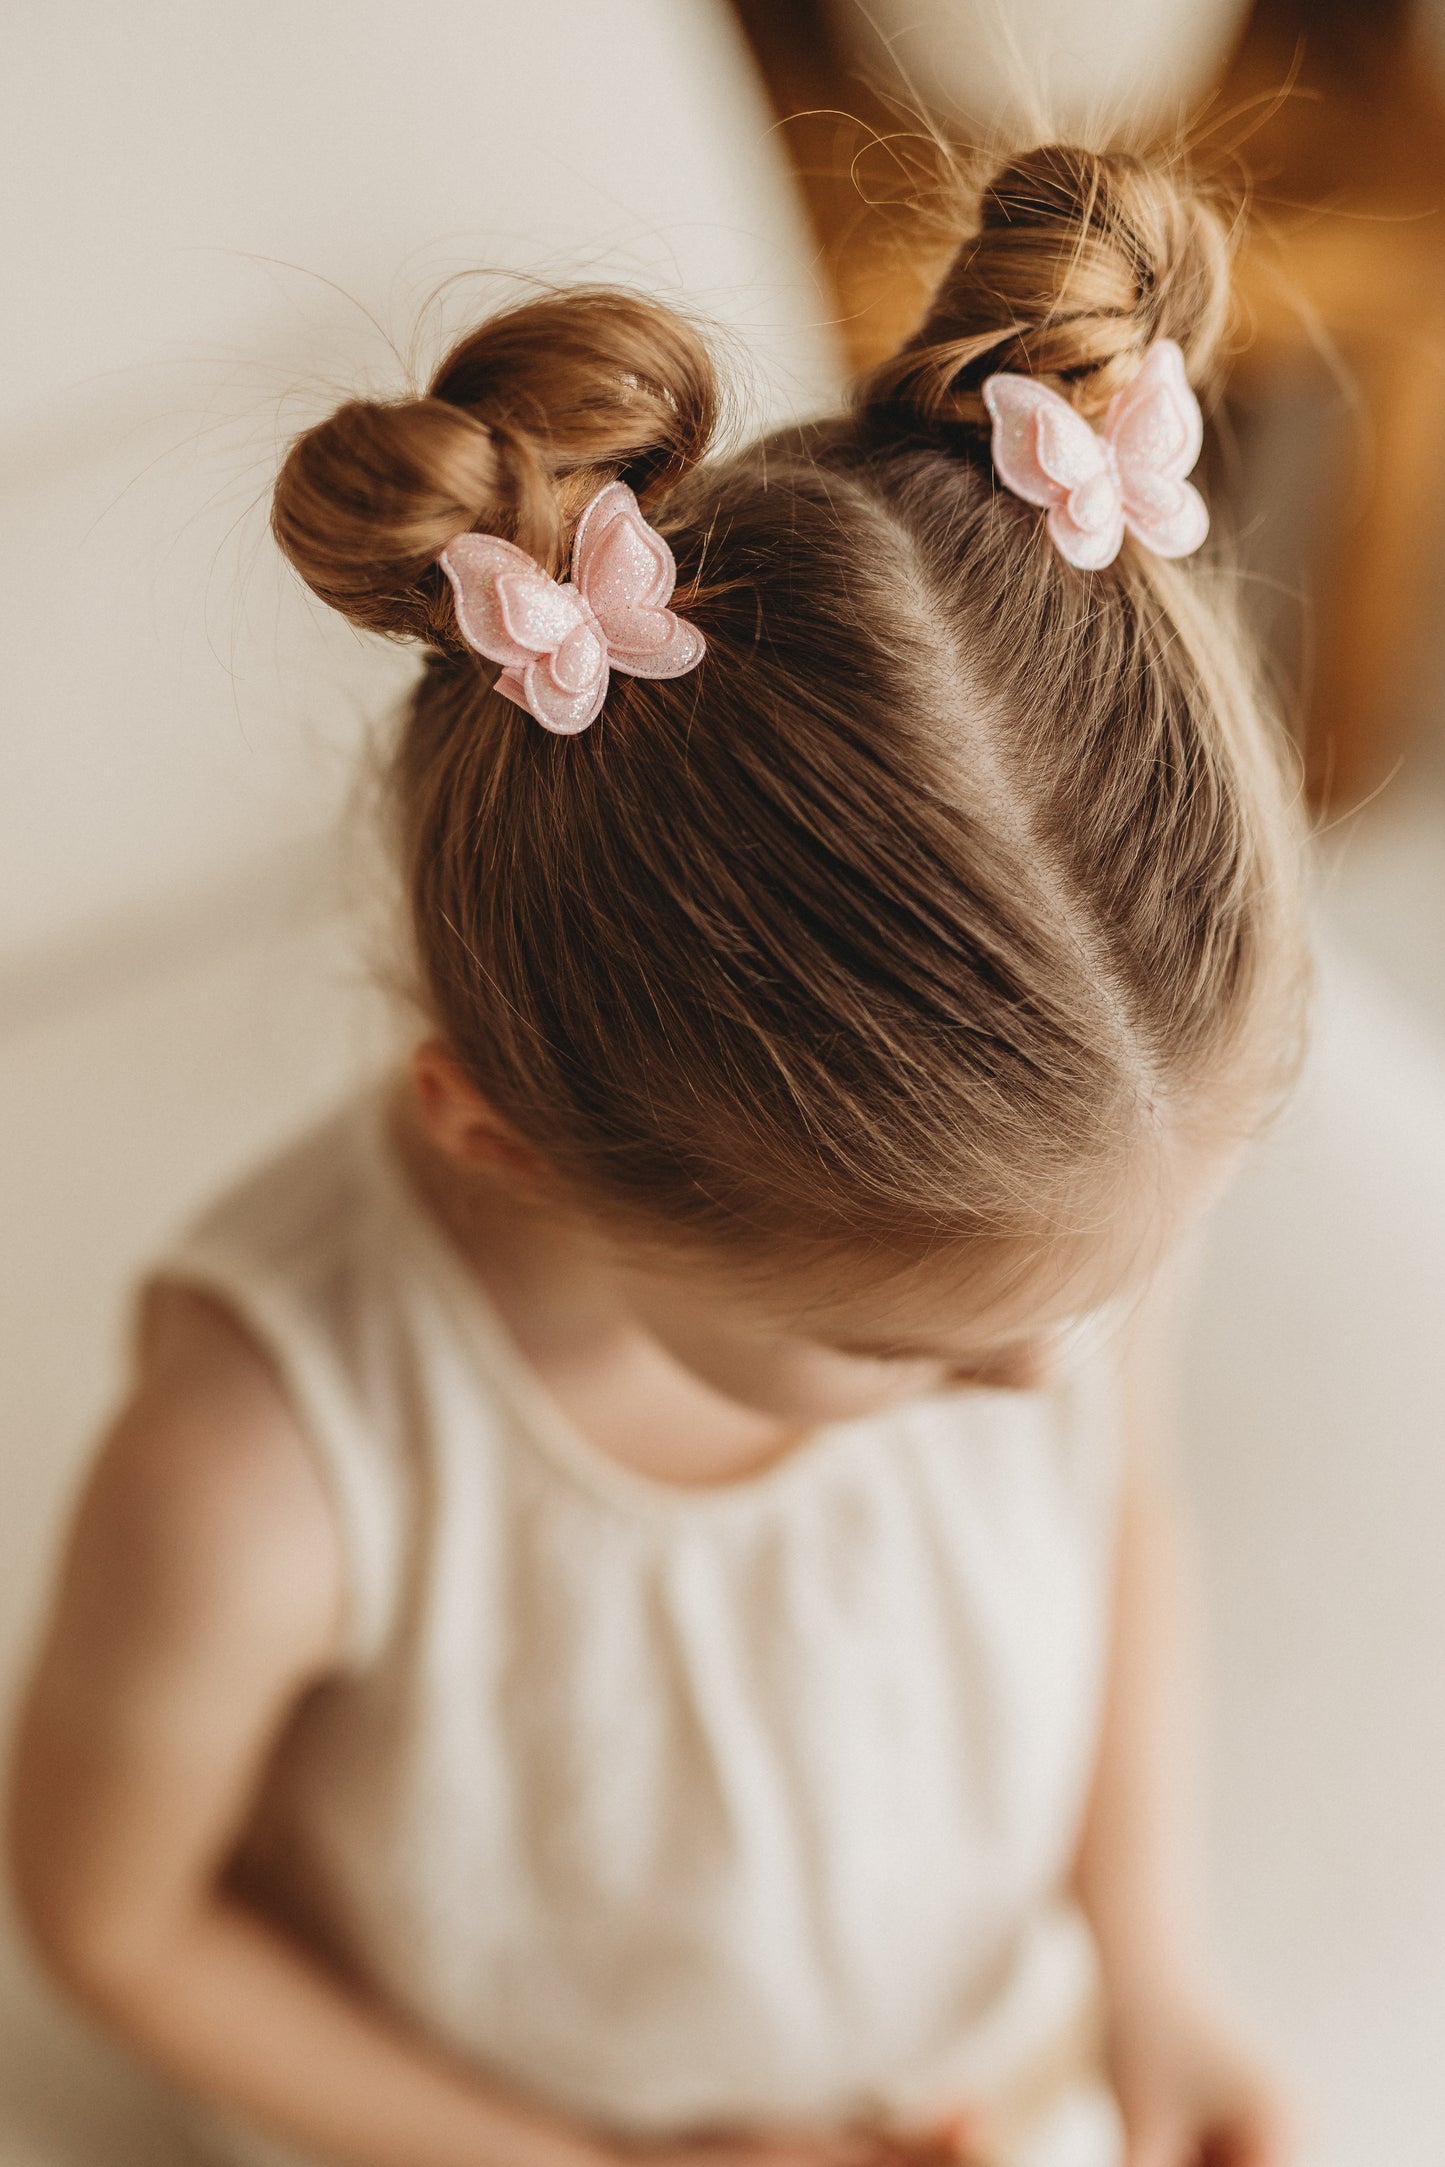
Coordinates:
column 1073, row 263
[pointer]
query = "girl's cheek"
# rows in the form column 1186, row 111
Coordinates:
column 1034, row 1370
column 793, row 1380
column 822, row 1388
column 800, row 1384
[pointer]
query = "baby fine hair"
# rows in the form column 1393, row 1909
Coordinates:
column 953, row 875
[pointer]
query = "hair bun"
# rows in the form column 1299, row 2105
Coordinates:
column 1074, row 262
column 367, row 500
column 525, row 419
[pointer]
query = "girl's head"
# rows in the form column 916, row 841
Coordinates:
column 944, row 918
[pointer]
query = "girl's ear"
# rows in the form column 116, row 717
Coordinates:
column 461, row 1122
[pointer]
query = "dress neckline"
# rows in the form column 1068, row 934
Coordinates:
column 541, row 1419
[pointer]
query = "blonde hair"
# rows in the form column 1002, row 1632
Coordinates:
column 951, row 872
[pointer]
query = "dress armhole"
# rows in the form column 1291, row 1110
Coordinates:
column 360, row 1487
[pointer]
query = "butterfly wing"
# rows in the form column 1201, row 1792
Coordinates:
column 1043, row 449
column 655, row 643
column 477, row 565
column 538, row 615
column 557, row 707
column 1154, row 423
column 627, row 573
column 618, row 560
column 1046, row 453
column 1157, row 432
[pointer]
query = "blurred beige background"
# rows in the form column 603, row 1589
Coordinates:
column 227, row 217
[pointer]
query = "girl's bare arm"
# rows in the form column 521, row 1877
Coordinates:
column 200, row 1596
column 1188, row 2086
column 1141, row 1860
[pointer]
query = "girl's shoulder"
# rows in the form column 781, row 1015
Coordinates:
column 203, row 1356
column 202, row 1542
column 295, row 1251
column 279, row 1301
column 207, row 1467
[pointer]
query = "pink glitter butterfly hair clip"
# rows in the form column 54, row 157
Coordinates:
column 1096, row 483
column 560, row 641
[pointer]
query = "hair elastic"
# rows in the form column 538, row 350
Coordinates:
column 1095, row 483
column 560, row 641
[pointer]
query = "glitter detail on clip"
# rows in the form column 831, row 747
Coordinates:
column 560, row 641
column 1096, row 483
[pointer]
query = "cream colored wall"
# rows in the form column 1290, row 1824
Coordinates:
column 1048, row 67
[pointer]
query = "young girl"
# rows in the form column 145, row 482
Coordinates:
column 630, row 1609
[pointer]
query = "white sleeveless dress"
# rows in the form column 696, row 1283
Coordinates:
column 677, row 1807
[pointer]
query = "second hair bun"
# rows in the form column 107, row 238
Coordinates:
column 1075, row 261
